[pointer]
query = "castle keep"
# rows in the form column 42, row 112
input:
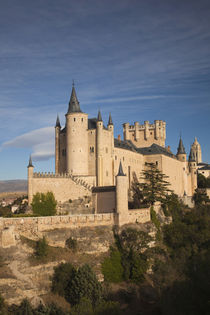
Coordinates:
column 87, row 155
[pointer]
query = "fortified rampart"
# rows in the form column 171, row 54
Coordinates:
column 33, row 227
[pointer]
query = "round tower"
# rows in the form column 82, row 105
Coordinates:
column 193, row 170
column 99, row 150
column 121, row 196
column 110, row 127
column 76, row 138
column 57, row 144
column 30, row 179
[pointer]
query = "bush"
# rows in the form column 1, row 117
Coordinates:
column 71, row 243
column 44, row 204
column 83, row 283
column 42, row 248
column 61, row 277
column 112, row 268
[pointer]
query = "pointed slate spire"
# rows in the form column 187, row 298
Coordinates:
column 30, row 162
column 99, row 116
column 192, row 156
column 74, row 106
column 58, row 122
column 110, row 120
column 181, row 149
column 120, row 172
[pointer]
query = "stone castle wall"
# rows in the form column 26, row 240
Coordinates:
column 64, row 186
column 32, row 227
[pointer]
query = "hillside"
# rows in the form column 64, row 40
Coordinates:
column 13, row 185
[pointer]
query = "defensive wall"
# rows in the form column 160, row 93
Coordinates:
column 33, row 227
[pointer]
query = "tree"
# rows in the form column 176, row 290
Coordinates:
column 154, row 186
column 84, row 283
column 44, row 204
column 41, row 249
column 200, row 196
column 61, row 277
column 112, row 268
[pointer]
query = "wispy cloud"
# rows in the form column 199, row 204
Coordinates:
column 40, row 142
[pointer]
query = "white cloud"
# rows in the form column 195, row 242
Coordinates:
column 40, row 141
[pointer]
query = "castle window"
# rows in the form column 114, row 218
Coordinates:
column 91, row 149
column 115, row 157
column 123, row 158
column 82, row 119
column 150, row 133
column 183, row 168
column 107, row 174
column 106, row 150
column 156, row 163
column 74, row 119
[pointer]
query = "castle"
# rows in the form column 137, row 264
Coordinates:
column 87, row 155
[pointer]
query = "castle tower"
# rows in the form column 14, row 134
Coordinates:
column 30, row 178
column 110, row 127
column 57, row 144
column 99, row 150
column 76, row 138
column 121, row 196
column 196, row 149
column 193, row 170
column 181, row 154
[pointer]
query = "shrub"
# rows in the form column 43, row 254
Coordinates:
column 41, row 250
column 112, row 268
column 83, row 283
column 61, row 277
column 71, row 243
column 44, row 204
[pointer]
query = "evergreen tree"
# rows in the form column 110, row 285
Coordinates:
column 154, row 186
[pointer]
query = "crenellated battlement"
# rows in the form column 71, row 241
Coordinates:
column 145, row 134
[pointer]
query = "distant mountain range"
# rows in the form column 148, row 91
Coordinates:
column 13, row 185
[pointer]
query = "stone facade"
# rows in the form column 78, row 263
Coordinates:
column 88, row 155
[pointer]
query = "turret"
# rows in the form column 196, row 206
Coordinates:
column 146, row 131
column 193, row 170
column 126, row 134
column 76, row 138
column 122, row 196
column 181, row 154
column 57, row 144
column 110, row 123
column 99, row 149
column 136, row 132
column 30, row 179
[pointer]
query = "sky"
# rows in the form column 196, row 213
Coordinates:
column 138, row 59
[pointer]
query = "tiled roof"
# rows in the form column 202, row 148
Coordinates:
column 153, row 149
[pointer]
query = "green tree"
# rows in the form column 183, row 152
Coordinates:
column 63, row 274
column 154, row 186
column 42, row 248
column 111, row 267
column 200, row 196
column 84, row 284
column 44, row 204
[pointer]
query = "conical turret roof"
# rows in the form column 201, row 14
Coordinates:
column 74, row 106
column 110, row 122
column 30, row 162
column 181, row 149
column 120, row 171
column 99, row 116
column 58, row 122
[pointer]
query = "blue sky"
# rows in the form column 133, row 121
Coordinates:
column 138, row 59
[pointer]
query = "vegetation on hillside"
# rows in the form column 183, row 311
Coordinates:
column 44, row 204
